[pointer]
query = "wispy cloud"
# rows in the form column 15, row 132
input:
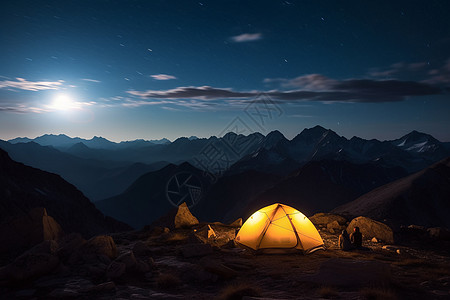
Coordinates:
column 192, row 92
column 398, row 68
column 163, row 77
column 23, row 84
column 91, row 80
column 440, row 75
column 247, row 37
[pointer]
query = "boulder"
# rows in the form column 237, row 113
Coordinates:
column 115, row 270
column 439, row 233
column 141, row 249
column 24, row 231
column 333, row 227
column 216, row 267
column 184, row 218
column 216, row 234
column 326, row 218
column 99, row 245
column 237, row 223
column 70, row 244
column 371, row 228
column 128, row 259
column 34, row 263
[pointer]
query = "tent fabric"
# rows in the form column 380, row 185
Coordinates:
column 279, row 226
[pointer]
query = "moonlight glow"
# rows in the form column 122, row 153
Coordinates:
column 63, row 102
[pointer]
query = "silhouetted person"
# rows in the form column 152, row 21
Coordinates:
column 344, row 241
column 356, row 238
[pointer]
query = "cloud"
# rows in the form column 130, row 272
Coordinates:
column 314, row 82
column 314, row 87
column 192, row 92
column 23, row 84
column 440, row 75
column 163, row 77
column 246, row 37
column 91, row 80
column 398, row 68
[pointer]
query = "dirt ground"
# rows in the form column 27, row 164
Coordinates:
column 379, row 272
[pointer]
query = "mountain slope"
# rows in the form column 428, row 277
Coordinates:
column 96, row 178
column 23, row 188
column 146, row 199
column 322, row 185
column 422, row 198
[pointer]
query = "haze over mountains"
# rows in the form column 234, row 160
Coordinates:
column 317, row 170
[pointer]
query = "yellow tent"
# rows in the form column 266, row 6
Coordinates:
column 279, row 226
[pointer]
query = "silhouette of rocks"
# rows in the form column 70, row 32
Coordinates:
column 38, row 261
column 326, row 218
column 26, row 230
column 98, row 246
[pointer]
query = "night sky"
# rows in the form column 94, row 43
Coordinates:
column 152, row 69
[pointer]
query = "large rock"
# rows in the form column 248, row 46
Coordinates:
column 99, row 245
column 184, row 218
column 216, row 234
column 439, row 233
column 333, row 227
column 371, row 228
column 325, row 218
column 38, row 261
column 24, row 231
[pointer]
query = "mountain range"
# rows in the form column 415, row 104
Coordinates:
column 317, row 170
column 102, row 169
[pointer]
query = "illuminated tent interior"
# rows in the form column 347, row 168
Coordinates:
column 279, row 226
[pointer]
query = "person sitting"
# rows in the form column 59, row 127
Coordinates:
column 356, row 238
column 344, row 241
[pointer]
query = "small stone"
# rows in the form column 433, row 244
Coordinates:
column 193, row 250
column 237, row 223
column 440, row 293
column 64, row 293
column 115, row 270
column 141, row 249
column 374, row 240
column 128, row 259
column 398, row 251
column 106, row 286
column 25, row 293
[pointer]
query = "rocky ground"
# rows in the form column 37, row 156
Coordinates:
column 201, row 262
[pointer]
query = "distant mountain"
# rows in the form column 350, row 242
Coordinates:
column 23, row 188
column 63, row 141
column 119, row 179
column 320, row 186
column 318, row 143
column 421, row 199
column 422, row 145
column 230, row 195
column 412, row 152
column 267, row 161
column 96, row 178
column 147, row 199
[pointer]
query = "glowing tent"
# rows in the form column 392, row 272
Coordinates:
column 279, row 226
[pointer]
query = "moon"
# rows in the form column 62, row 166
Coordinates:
column 63, row 102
